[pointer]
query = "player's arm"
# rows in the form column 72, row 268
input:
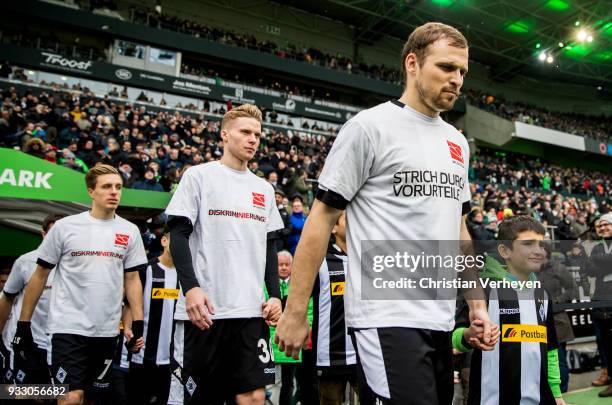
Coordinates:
column 272, row 308
column 14, row 285
column 6, row 303
column 475, row 297
column 198, row 305
column 23, row 341
column 292, row 331
column 34, row 290
column 135, row 318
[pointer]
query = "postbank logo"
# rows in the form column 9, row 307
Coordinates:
column 165, row 293
column 337, row 288
column 524, row 333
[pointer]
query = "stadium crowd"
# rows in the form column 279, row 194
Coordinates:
column 599, row 127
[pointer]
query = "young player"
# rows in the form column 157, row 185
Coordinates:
column 336, row 358
column 149, row 371
column 220, row 217
column 523, row 368
column 32, row 369
column 96, row 256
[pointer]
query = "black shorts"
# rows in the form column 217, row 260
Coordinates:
column 233, row 357
column 405, row 365
column 82, row 362
column 33, row 369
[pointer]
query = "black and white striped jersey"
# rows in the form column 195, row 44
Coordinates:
column 516, row 370
column 329, row 331
column 160, row 293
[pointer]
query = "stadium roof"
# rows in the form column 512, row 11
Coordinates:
column 506, row 35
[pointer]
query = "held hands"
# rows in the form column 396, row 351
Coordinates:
column 199, row 308
column 272, row 311
column 483, row 334
column 292, row 333
column 134, row 339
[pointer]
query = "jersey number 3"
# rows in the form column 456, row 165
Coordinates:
column 267, row 353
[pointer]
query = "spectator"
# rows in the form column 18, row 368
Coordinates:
column 296, row 221
column 149, row 182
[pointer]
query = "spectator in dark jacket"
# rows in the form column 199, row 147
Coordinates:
column 562, row 288
column 599, row 265
column 149, row 182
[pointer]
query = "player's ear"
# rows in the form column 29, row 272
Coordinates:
column 224, row 135
column 504, row 251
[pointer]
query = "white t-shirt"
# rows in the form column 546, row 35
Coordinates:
column 22, row 270
column 90, row 257
column 232, row 212
column 376, row 161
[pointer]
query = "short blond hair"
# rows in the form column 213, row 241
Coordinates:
column 245, row 110
column 98, row 170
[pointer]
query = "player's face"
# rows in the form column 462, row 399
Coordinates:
column 440, row 78
column 284, row 266
column 107, row 193
column 527, row 254
column 241, row 137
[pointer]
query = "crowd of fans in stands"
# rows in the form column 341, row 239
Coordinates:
column 304, row 53
column 599, row 127
column 153, row 149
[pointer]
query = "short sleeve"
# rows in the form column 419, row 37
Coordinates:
column 275, row 222
column 16, row 282
column 186, row 199
column 50, row 251
column 348, row 164
column 135, row 255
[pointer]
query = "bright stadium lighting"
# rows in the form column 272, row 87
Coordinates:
column 549, row 59
column 590, row 38
column 64, row 78
column 542, row 56
column 30, row 72
column 538, row 45
column 577, row 23
column 582, row 35
column 560, row 44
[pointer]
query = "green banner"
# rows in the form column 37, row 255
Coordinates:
column 25, row 176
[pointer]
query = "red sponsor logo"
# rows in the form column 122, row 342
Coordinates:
column 121, row 240
column 455, row 151
column 259, row 200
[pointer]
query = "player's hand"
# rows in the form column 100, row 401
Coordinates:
column 292, row 334
column 272, row 310
column 23, row 342
column 490, row 333
column 199, row 308
column 135, row 340
column 475, row 336
column 133, row 345
column 560, row 401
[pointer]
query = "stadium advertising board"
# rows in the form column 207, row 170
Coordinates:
column 210, row 89
column 25, row 176
column 549, row 136
column 596, row 146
